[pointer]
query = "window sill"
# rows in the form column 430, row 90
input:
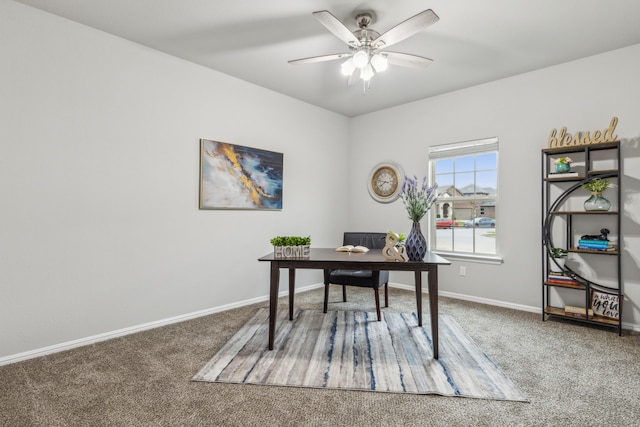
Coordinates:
column 484, row 259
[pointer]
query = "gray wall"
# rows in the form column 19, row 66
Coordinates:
column 99, row 169
column 521, row 111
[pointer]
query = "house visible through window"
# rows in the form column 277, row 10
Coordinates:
column 467, row 177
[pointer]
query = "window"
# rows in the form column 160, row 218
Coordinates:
column 467, row 177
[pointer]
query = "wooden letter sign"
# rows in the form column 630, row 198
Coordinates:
column 564, row 139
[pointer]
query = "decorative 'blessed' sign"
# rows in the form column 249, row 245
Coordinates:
column 564, row 139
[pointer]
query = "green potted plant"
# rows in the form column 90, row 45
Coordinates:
column 558, row 252
column 597, row 202
column 401, row 238
column 559, row 256
column 563, row 164
column 291, row 246
column 394, row 246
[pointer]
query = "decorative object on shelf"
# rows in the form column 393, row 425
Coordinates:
column 563, row 164
column 394, row 247
column 606, row 304
column 417, row 200
column 604, row 235
column 582, row 312
column 597, row 242
column 291, row 246
column 559, row 256
column 597, row 202
column 385, row 182
column 239, row 177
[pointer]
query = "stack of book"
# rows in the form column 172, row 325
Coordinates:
column 596, row 245
column 560, row 279
column 577, row 311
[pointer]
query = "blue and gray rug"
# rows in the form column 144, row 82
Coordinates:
column 351, row 350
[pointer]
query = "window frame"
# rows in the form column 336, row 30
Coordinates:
column 459, row 150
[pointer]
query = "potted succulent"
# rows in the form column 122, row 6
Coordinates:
column 401, row 238
column 597, row 202
column 563, row 164
column 559, row 256
column 291, row 246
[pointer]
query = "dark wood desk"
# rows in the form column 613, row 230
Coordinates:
column 322, row 258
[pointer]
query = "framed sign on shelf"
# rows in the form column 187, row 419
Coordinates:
column 605, row 304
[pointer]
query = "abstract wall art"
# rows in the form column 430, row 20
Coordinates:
column 238, row 177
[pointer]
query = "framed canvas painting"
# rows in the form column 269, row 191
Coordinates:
column 238, row 177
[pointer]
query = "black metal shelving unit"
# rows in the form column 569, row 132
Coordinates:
column 553, row 209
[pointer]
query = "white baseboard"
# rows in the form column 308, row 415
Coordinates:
column 31, row 354
column 498, row 303
column 479, row 300
column 176, row 319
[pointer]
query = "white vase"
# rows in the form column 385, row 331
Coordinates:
column 557, row 264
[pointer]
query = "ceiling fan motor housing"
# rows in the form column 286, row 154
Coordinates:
column 364, row 19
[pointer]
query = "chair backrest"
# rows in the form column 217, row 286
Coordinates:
column 370, row 240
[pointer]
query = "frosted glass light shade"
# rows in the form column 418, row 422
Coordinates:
column 379, row 62
column 367, row 72
column 360, row 59
column 347, row 67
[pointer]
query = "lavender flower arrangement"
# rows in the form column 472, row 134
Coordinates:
column 417, row 200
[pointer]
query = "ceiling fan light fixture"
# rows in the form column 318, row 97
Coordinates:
column 360, row 59
column 379, row 62
column 367, row 73
column 365, row 44
column 347, row 67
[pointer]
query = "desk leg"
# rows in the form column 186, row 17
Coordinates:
column 292, row 290
column 273, row 301
column 433, row 307
column 418, row 275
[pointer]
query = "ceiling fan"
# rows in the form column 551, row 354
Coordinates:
column 367, row 55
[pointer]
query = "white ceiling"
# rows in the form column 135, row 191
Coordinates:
column 474, row 42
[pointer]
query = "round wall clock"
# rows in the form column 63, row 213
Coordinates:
column 385, row 182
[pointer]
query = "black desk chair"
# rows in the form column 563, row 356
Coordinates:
column 362, row 278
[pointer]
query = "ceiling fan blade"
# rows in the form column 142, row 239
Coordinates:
column 407, row 60
column 322, row 58
column 334, row 25
column 406, row 29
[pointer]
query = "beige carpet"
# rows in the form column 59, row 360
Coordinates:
column 351, row 350
column 573, row 374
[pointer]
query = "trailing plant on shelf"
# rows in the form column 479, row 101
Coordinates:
column 291, row 241
column 597, row 185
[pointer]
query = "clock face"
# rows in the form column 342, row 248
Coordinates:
column 385, row 182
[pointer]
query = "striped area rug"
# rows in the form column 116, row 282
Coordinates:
column 351, row 350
